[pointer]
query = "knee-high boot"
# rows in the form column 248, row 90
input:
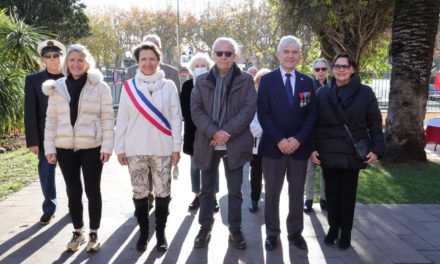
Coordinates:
column 161, row 220
column 141, row 212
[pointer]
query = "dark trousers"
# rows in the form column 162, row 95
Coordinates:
column 274, row 171
column 71, row 163
column 46, row 173
column 256, row 177
column 234, row 179
column 340, row 191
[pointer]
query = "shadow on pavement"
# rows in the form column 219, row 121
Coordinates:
column 35, row 243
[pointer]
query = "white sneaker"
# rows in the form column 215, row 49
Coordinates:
column 77, row 240
column 94, row 243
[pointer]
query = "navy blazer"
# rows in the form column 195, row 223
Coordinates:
column 280, row 120
column 35, row 106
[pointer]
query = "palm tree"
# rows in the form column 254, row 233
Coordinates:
column 18, row 43
column 414, row 29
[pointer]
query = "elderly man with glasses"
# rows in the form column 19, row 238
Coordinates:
column 223, row 104
column 35, row 107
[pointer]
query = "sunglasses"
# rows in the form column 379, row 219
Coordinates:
column 53, row 56
column 341, row 66
column 321, row 69
column 220, row 53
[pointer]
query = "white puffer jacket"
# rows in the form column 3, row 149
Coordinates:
column 95, row 123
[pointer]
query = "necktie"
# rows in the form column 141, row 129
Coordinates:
column 289, row 89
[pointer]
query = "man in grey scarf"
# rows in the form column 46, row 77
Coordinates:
column 223, row 104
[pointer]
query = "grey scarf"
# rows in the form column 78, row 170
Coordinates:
column 219, row 102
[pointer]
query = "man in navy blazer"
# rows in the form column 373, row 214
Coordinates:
column 35, row 106
column 286, row 110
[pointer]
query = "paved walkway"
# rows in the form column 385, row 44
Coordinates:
column 382, row 233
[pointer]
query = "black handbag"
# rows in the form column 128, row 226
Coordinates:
column 361, row 147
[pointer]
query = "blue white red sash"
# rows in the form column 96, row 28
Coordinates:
column 146, row 108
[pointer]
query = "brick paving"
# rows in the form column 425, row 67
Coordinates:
column 389, row 233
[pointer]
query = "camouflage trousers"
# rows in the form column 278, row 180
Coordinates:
column 139, row 167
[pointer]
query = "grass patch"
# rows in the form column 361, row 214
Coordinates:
column 389, row 184
column 18, row 168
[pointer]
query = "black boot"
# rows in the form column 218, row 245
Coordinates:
column 141, row 212
column 331, row 236
column 345, row 240
column 161, row 220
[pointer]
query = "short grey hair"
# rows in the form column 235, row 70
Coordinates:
column 323, row 60
column 225, row 40
column 287, row 40
column 155, row 39
column 199, row 57
column 88, row 58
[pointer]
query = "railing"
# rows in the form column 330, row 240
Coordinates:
column 381, row 88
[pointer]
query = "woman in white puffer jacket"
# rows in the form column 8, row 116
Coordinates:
column 79, row 134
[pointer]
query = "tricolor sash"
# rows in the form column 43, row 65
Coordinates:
column 146, row 108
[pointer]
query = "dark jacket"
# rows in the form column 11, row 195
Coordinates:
column 241, row 105
column 280, row 120
column 35, row 106
column 318, row 85
column 189, row 127
column 356, row 105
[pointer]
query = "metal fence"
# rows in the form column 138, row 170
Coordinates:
column 381, row 88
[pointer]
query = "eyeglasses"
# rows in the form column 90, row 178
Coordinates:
column 321, row 69
column 220, row 53
column 53, row 56
column 339, row 67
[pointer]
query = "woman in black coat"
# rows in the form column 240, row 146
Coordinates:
column 199, row 64
column 345, row 100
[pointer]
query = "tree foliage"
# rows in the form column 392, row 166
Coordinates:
column 343, row 26
column 65, row 19
column 18, row 43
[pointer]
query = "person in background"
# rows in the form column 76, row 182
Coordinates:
column 79, row 134
column 171, row 73
column 35, row 106
column 148, row 139
column 345, row 100
column 320, row 73
column 253, row 71
column 222, row 107
column 256, row 175
column 287, row 114
column 200, row 63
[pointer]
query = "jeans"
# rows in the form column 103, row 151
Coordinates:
column 46, row 172
column 195, row 178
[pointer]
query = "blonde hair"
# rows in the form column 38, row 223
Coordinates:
column 90, row 61
column 258, row 76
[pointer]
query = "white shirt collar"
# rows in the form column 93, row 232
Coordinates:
column 283, row 73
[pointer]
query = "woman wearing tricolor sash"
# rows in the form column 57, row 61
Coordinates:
column 148, row 138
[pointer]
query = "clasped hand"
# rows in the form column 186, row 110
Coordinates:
column 288, row 145
column 220, row 138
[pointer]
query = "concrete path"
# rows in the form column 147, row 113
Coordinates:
column 382, row 233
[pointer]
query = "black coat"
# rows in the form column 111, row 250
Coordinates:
column 189, row 127
column 35, row 106
column 356, row 105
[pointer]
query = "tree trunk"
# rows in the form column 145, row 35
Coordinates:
column 414, row 30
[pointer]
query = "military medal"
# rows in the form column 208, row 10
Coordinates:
column 306, row 98
column 301, row 101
